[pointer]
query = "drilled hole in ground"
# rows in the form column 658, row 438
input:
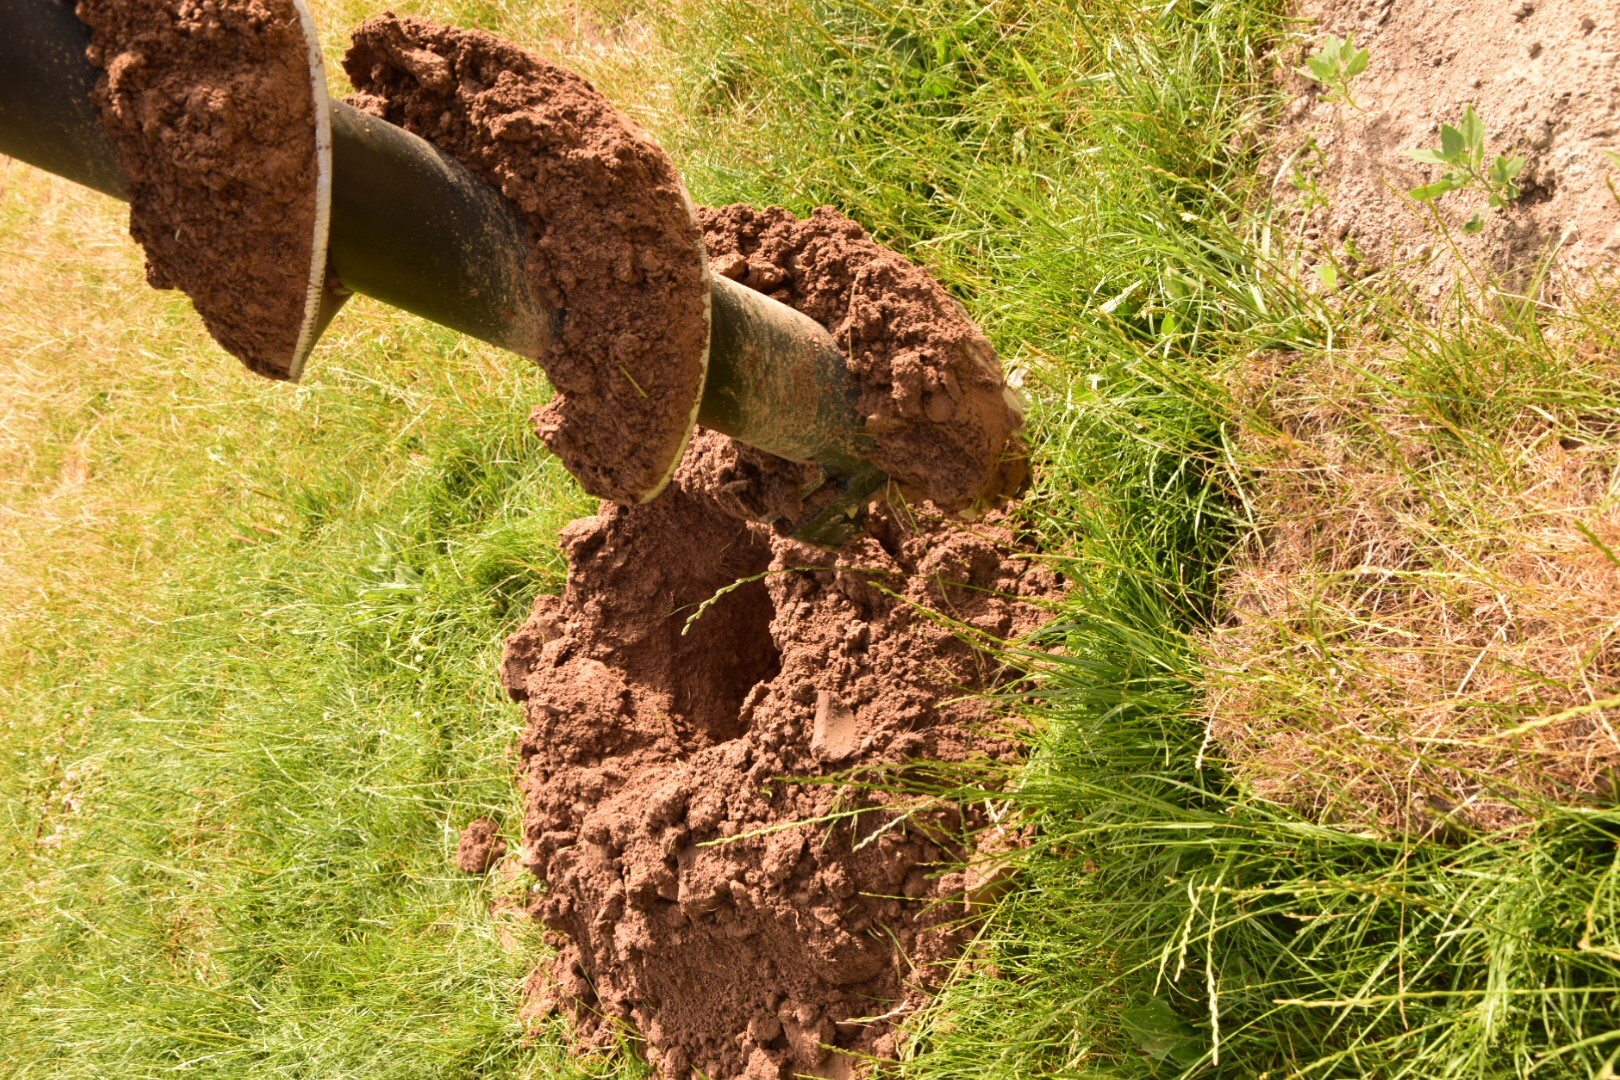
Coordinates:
column 727, row 651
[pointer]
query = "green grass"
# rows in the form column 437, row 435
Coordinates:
column 250, row 632
column 228, row 808
column 1087, row 184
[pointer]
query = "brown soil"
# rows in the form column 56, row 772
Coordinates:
column 743, row 922
column 212, row 111
column 480, row 848
column 932, row 392
column 1544, row 76
column 613, row 244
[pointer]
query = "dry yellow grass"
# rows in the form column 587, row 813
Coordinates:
column 1423, row 626
column 80, row 338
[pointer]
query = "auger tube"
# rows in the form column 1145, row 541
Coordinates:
column 413, row 228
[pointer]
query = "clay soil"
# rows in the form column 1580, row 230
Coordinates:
column 612, row 240
column 933, row 397
column 1544, row 76
column 212, row 112
column 688, row 695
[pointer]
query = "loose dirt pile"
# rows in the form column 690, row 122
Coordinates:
column 212, row 111
column 613, row 243
column 933, row 396
column 1544, row 76
column 700, row 664
column 744, row 923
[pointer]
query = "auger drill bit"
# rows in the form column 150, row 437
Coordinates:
column 406, row 224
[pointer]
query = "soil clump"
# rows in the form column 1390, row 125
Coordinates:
column 1544, row 78
column 480, row 847
column 211, row 109
column 933, row 396
column 698, row 675
column 613, row 245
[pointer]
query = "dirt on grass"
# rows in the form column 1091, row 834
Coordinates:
column 689, row 695
column 704, row 676
column 1544, row 77
column 612, row 239
column 480, row 847
column 211, row 109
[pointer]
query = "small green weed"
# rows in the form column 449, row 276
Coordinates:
column 1335, row 65
column 1462, row 151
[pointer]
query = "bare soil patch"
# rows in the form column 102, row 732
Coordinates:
column 212, row 112
column 1421, row 631
column 1544, row 76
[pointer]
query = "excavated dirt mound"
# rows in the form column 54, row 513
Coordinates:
column 612, row 241
column 702, row 671
column 933, row 396
column 1544, row 76
column 212, row 111
column 743, row 922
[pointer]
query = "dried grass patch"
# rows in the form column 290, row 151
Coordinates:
column 1422, row 623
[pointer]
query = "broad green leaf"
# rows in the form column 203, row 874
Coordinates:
column 1473, row 133
column 1430, row 192
column 1428, row 157
column 1474, row 224
column 1357, row 63
column 1473, row 128
column 1158, row 1031
column 1452, row 143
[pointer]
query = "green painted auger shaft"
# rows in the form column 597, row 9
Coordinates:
column 414, row 229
